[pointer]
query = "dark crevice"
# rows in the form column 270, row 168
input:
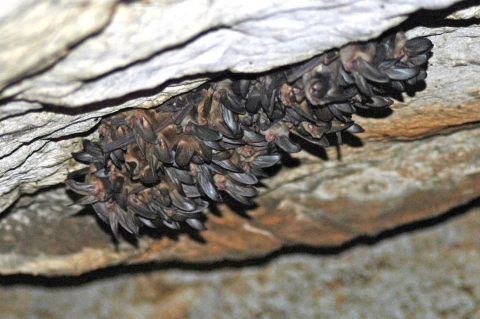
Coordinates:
column 438, row 18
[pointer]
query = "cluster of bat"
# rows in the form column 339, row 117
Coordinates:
column 162, row 166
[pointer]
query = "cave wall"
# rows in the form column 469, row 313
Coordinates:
column 61, row 75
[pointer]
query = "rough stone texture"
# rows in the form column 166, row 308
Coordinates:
column 415, row 272
column 36, row 34
column 123, row 54
column 415, row 163
column 145, row 44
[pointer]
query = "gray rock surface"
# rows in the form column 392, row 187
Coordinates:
column 137, row 54
column 95, row 58
column 115, row 55
column 35, row 35
column 425, row 273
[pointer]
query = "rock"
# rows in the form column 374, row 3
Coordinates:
column 427, row 271
column 37, row 35
column 138, row 54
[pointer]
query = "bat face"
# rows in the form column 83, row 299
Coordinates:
column 161, row 167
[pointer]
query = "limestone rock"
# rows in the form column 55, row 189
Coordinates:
column 430, row 272
column 417, row 162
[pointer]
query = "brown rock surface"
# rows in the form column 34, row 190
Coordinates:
column 415, row 163
column 424, row 271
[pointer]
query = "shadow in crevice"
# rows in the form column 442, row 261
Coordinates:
column 438, row 18
column 116, row 271
column 375, row 113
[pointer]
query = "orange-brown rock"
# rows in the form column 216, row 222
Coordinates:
column 412, row 164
